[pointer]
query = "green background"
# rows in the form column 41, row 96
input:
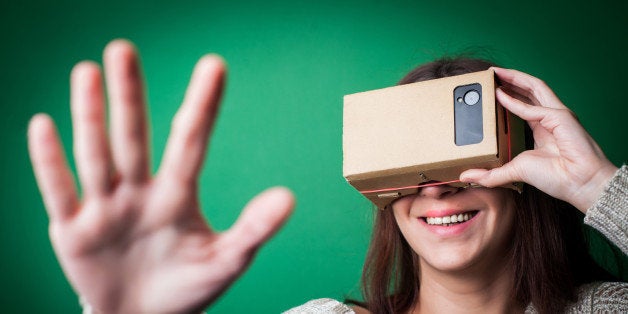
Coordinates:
column 289, row 63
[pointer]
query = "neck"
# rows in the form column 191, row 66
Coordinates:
column 477, row 289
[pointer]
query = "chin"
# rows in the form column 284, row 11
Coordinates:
column 451, row 260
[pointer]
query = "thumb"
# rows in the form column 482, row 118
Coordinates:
column 262, row 217
column 491, row 178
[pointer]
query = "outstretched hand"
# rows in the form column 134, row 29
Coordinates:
column 565, row 163
column 136, row 243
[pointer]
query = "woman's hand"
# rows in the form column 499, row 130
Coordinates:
column 565, row 163
column 136, row 243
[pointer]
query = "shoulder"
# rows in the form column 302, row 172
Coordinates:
column 328, row 306
column 601, row 297
column 360, row 310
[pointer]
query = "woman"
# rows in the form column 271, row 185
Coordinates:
column 518, row 252
column 138, row 244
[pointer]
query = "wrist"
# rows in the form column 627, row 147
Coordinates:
column 585, row 196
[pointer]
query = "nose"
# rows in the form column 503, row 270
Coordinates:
column 437, row 191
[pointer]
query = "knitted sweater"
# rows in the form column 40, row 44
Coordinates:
column 609, row 215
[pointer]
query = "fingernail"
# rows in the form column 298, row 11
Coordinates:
column 474, row 185
column 471, row 185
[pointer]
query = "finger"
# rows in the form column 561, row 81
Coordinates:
column 548, row 118
column 51, row 169
column 519, row 93
column 533, row 87
column 129, row 134
column 91, row 148
column 193, row 122
column 521, row 109
column 492, row 178
column 261, row 218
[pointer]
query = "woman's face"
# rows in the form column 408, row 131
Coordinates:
column 455, row 229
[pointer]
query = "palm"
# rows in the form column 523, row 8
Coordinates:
column 136, row 242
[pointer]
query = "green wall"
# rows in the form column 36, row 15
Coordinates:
column 289, row 66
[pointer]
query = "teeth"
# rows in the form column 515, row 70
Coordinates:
column 449, row 220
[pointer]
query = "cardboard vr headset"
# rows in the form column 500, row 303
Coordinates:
column 397, row 139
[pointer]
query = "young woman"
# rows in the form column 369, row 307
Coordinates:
column 137, row 243
column 516, row 252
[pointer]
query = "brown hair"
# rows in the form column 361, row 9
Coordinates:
column 549, row 252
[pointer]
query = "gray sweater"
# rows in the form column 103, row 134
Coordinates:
column 608, row 215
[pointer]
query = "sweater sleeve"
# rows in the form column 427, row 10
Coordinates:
column 609, row 214
column 320, row 306
column 601, row 297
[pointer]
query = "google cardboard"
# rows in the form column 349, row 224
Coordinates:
column 398, row 139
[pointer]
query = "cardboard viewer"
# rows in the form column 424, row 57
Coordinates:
column 400, row 138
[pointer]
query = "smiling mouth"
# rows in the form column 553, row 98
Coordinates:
column 450, row 220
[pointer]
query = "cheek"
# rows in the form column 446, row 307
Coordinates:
column 401, row 219
column 403, row 204
column 504, row 217
column 407, row 226
column 509, row 217
column 509, row 208
column 401, row 209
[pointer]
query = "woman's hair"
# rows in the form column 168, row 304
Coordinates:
column 549, row 253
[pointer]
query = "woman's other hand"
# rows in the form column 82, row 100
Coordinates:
column 137, row 243
column 565, row 163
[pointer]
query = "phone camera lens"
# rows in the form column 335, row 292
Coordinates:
column 471, row 97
